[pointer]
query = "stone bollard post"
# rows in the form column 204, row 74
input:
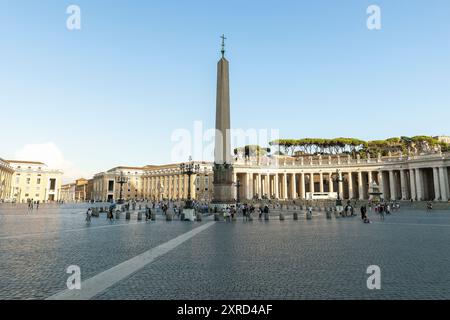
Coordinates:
column 216, row 217
column 127, row 215
column 328, row 214
column 139, row 216
column 295, row 216
column 308, row 216
column 117, row 215
column 281, row 217
column 199, row 216
column 153, row 216
column 169, row 216
column 266, row 216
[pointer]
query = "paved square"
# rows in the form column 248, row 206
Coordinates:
column 304, row 259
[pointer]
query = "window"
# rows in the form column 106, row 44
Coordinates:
column 37, row 195
column 52, row 184
column 111, row 185
column 38, row 181
column 28, row 180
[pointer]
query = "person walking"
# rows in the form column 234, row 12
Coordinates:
column 88, row 215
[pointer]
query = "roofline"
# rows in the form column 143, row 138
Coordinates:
column 22, row 161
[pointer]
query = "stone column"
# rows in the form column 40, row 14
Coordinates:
column 412, row 181
column 321, row 182
column 180, row 186
column 351, row 195
column 311, row 183
column 170, row 185
column 437, row 192
column 419, row 185
column 381, row 183
column 393, row 191
column 285, row 191
column 302, row 182
column 268, row 185
column 276, row 185
column 341, row 186
column 294, row 186
column 186, row 185
column 360, row 186
column 193, row 187
column 258, row 181
column 403, row 186
column 330, row 182
column 443, row 177
column 248, row 182
column 369, row 178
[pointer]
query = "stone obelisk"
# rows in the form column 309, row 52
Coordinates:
column 223, row 171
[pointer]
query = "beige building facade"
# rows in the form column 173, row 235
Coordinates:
column 6, row 174
column 106, row 188
column 34, row 181
column 167, row 182
column 424, row 177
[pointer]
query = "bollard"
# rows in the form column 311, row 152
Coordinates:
column 168, row 216
column 139, row 216
column 199, row 216
column 216, row 217
column 153, row 216
column 281, row 217
column 117, row 215
column 308, row 216
column 266, row 216
column 139, row 207
column 182, row 216
column 328, row 214
column 127, row 215
column 295, row 216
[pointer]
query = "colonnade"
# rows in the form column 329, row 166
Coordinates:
column 394, row 184
column 174, row 186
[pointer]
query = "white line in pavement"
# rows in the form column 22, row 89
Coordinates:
column 66, row 230
column 414, row 224
column 102, row 281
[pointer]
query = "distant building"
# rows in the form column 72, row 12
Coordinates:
column 445, row 139
column 68, row 192
column 6, row 174
column 34, row 180
column 106, row 188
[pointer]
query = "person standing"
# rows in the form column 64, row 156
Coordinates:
column 88, row 215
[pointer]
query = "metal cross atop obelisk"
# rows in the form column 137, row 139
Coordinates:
column 223, row 45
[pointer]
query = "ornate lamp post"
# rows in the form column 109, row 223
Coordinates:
column 237, row 184
column 189, row 169
column 338, row 179
column 121, row 180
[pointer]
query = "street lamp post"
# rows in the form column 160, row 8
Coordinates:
column 189, row 169
column 121, row 180
column 338, row 179
column 237, row 184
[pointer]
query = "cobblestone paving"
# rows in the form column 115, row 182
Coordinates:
column 34, row 266
column 314, row 259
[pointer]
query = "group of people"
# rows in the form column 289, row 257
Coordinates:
column 31, row 204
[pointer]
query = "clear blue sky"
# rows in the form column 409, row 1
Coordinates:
column 137, row 71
